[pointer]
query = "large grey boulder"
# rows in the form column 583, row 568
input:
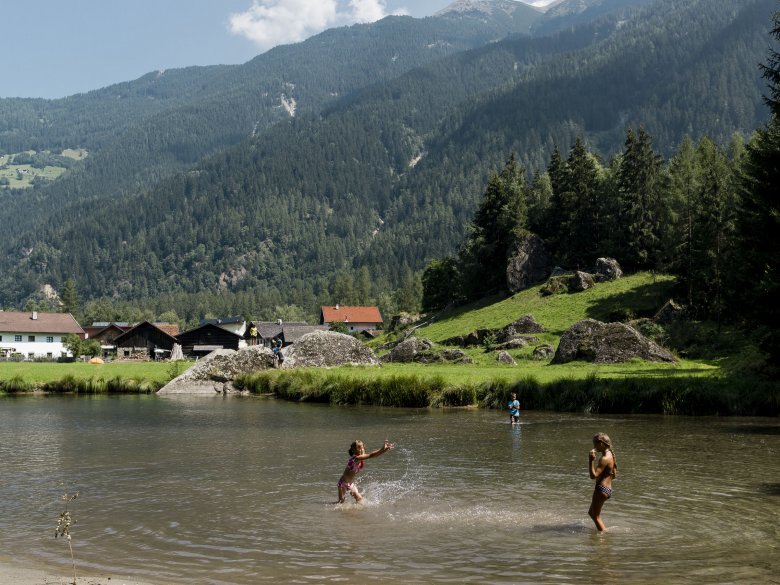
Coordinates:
column 607, row 269
column 516, row 329
column 214, row 373
column 326, row 349
column 607, row 343
column 423, row 351
column 528, row 262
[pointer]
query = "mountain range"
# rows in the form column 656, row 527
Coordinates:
column 363, row 149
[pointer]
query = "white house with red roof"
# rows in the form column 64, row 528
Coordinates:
column 355, row 318
column 36, row 335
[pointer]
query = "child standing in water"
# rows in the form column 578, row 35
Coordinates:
column 514, row 409
column 603, row 471
column 357, row 454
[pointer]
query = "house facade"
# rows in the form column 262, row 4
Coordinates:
column 35, row 335
column 146, row 341
column 203, row 340
column 355, row 318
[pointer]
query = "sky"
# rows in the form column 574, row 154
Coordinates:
column 53, row 48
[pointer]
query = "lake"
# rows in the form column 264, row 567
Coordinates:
column 237, row 491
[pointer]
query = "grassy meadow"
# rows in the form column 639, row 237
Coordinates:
column 706, row 384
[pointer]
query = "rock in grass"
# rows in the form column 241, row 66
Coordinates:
column 607, row 343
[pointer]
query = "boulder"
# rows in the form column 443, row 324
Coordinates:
column 503, row 357
column 543, row 352
column 607, row 269
column 607, row 343
column 515, row 343
column 670, row 313
column 525, row 324
column 581, row 281
column 528, row 262
column 403, row 320
column 328, row 349
column 214, row 373
column 408, row 350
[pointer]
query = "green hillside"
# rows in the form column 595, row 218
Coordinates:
column 640, row 295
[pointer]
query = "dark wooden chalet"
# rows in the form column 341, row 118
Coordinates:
column 144, row 341
column 207, row 338
column 107, row 337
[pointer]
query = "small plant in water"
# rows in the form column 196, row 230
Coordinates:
column 63, row 528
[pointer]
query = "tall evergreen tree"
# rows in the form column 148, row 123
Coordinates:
column 501, row 216
column 581, row 230
column 640, row 211
column 757, row 264
column 70, row 298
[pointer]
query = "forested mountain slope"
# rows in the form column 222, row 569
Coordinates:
column 141, row 131
column 387, row 177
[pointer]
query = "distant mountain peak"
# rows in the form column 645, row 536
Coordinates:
column 490, row 7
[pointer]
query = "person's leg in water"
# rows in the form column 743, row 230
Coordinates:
column 595, row 509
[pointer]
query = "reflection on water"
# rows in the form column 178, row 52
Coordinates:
column 240, row 491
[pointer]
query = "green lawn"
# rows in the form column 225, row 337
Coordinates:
column 39, row 372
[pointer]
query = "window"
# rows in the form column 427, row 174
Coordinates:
column 30, row 338
column 49, row 339
column 49, row 355
column 17, row 337
column 1, row 338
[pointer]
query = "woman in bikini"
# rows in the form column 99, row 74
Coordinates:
column 603, row 471
column 357, row 454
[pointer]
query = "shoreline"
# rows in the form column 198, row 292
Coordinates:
column 23, row 574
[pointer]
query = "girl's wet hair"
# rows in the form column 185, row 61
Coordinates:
column 604, row 438
column 354, row 447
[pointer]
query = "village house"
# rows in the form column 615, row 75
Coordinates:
column 147, row 341
column 35, row 335
column 354, row 318
column 209, row 337
column 106, row 333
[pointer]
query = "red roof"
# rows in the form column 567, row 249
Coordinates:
column 351, row 314
column 34, row 322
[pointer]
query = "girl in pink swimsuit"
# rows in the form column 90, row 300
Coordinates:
column 357, row 454
column 603, row 471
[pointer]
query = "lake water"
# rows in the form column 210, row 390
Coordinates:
column 241, row 490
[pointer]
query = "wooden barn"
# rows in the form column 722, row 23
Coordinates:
column 144, row 341
column 207, row 338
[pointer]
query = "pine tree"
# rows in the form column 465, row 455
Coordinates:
column 757, row 258
column 640, row 212
column 70, row 297
column 500, row 218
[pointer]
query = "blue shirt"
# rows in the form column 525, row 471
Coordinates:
column 514, row 407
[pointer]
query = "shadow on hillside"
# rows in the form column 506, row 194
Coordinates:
column 663, row 373
column 643, row 301
column 455, row 312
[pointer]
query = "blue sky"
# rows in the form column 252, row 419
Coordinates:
column 54, row 48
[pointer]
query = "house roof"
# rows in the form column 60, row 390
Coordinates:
column 223, row 321
column 145, row 325
column 34, row 322
column 206, row 326
column 271, row 329
column 351, row 314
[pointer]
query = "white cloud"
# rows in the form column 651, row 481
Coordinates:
column 272, row 22
column 367, row 10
